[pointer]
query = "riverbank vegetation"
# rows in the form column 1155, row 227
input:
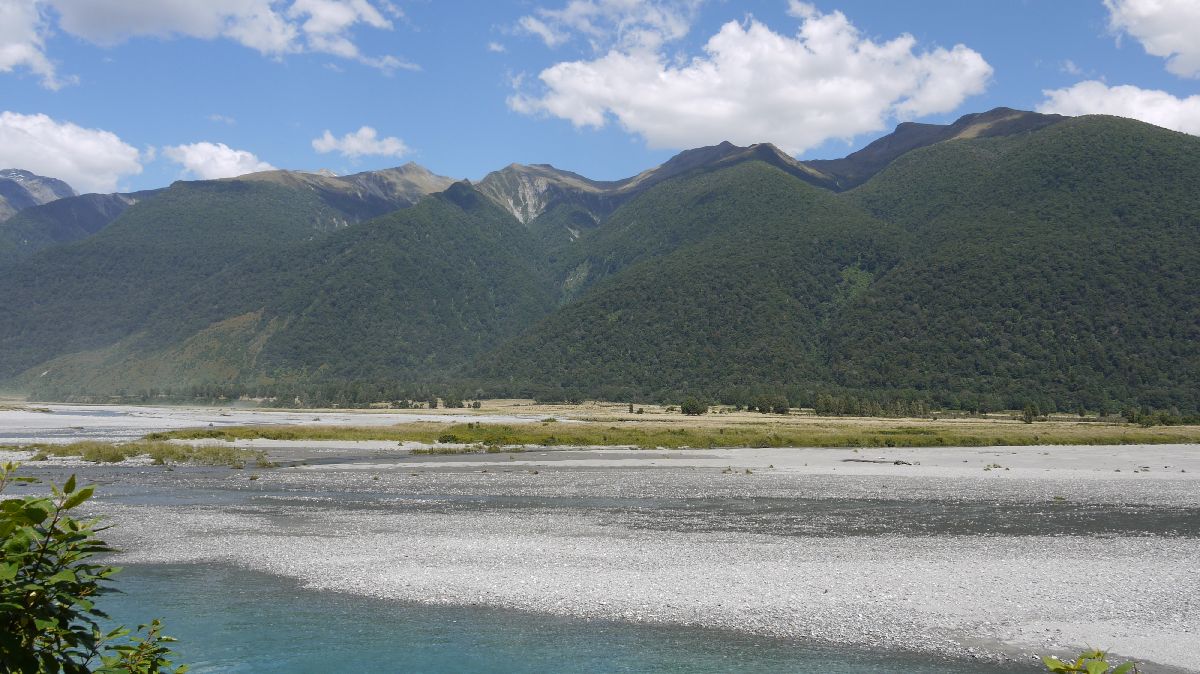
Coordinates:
column 711, row 433
column 160, row 453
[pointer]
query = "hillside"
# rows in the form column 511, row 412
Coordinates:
column 1055, row 266
column 140, row 269
column 61, row 221
column 1049, row 266
column 560, row 206
column 371, row 301
column 709, row 282
column 1006, row 259
column 858, row 167
column 136, row 277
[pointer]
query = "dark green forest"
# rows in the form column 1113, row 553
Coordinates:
column 1050, row 263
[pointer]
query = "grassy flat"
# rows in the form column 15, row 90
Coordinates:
column 161, row 453
column 742, row 431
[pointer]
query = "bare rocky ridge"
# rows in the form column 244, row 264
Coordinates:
column 21, row 189
column 530, row 191
column 367, row 194
column 856, row 168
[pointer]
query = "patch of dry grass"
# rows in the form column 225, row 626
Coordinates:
column 161, row 453
column 710, row 433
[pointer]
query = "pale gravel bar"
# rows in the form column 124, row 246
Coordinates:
column 682, row 537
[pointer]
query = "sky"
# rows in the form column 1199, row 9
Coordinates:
column 126, row 94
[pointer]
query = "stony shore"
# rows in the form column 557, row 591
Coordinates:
column 1058, row 552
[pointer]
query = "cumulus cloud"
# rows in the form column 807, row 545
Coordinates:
column 753, row 84
column 272, row 27
column 209, row 161
column 1166, row 28
column 1149, row 105
column 23, row 29
column 361, row 143
column 628, row 24
column 90, row 160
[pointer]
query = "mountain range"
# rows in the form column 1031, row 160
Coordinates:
column 1007, row 258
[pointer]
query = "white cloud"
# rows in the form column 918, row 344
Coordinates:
column 23, row 30
column 272, row 27
column 628, row 24
column 361, row 143
column 752, row 84
column 535, row 26
column 1166, row 28
column 496, row 48
column 222, row 119
column 90, row 160
column 1149, row 105
column 209, row 161
column 1069, row 67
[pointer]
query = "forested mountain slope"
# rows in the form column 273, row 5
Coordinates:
column 1005, row 259
column 1054, row 266
column 722, row 279
column 62, row 221
column 1059, row 265
column 140, row 269
column 417, row 290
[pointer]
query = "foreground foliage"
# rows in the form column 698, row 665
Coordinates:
column 1089, row 662
column 49, row 582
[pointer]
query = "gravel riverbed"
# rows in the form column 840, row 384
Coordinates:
column 1068, row 548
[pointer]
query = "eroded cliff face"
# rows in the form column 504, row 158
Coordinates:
column 529, row 191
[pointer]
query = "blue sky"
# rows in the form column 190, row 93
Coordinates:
column 108, row 95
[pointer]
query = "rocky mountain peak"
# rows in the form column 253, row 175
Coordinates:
column 21, row 189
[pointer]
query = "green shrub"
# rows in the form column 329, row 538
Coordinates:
column 48, row 588
column 1089, row 662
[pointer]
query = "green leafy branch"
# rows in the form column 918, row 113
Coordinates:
column 48, row 586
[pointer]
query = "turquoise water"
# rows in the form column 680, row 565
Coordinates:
column 231, row 620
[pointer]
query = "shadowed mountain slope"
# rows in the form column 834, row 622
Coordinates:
column 379, row 299
column 62, row 221
column 858, row 167
column 1049, row 266
column 718, row 279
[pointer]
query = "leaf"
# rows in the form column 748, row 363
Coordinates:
column 79, row 497
column 70, row 485
column 1097, row 667
column 1054, row 664
column 36, row 511
column 64, row 576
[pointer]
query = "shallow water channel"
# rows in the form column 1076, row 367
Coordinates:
column 233, row 620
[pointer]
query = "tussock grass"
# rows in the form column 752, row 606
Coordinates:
column 162, row 453
column 469, row 449
column 831, row 433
